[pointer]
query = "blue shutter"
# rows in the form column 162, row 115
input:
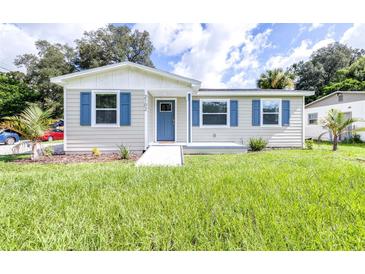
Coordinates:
column 196, row 113
column 234, row 113
column 256, row 112
column 285, row 112
column 125, row 109
column 85, row 108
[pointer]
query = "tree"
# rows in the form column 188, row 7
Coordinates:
column 347, row 84
column 52, row 60
column 336, row 123
column 275, row 79
column 15, row 94
column 113, row 44
column 323, row 68
column 332, row 58
column 355, row 71
column 30, row 124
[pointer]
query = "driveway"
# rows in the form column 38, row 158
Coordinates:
column 7, row 149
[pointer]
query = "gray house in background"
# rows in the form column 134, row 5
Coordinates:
column 139, row 106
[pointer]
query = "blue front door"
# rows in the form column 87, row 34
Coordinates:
column 165, row 120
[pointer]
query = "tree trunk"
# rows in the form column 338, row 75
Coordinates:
column 36, row 151
column 335, row 141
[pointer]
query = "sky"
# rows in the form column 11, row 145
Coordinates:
column 219, row 55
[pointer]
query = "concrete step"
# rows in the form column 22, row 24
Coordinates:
column 169, row 155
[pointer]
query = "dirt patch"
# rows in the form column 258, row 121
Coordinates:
column 75, row 158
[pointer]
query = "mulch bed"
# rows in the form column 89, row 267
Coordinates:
column 75, row 158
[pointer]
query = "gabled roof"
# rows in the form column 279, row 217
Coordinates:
column 332, row 94
column 63, row 78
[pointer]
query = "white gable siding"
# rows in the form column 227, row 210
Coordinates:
column 287, row 136
column 124, row 78
column 84, row 138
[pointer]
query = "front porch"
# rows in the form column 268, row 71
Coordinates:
column 168, row 116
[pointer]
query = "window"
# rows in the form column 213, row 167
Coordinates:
column 214, row 113
column 270, row 112
column 106, row 108
column 312, row 118
column 165, row 107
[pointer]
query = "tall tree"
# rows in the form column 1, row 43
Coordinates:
column 51, row 60
column 322, row 67
column 275, row 79
column 15, row 93
column 113, row 44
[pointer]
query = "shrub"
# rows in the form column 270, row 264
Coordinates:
column 354, row 139
column 124, row 152
column 96, row 152
column 309, row 144
column 48, row 151
column 257, row 144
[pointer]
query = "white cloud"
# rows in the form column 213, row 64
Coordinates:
column 355, row 36
column 301, row 53
column 212, row 52
column 173, row 39
column 17, row 39
column 314, row 26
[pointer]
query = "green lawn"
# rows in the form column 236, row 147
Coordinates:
column 275, row 200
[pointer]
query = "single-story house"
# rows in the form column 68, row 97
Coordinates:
column 351, row 103
column 140, row 106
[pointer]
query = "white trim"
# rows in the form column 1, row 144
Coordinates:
column 262, row 113
column 187, row 117
column 191, row 117
column 146, row 108
column 64, row 120
column 61, row 79
column 93, row 108
column 258, row 93
column 227, row 125
column 303, row 122
column 175, row 114
column 316, row 124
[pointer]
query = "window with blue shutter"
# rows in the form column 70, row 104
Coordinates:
column 196, row 113
column 125, row 109
column 85, row 108
column 256, row 112
column 234, row 113
column 285, row 116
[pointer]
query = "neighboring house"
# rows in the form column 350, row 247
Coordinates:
column 352, row 103
column 139, row 106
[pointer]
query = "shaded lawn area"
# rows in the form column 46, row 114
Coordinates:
column 274, row 200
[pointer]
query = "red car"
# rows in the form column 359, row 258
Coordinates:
column 54, row 134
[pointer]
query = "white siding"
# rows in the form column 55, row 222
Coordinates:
column 287, row 136
column 124, row 78
column 357, row 110
column 84, row 138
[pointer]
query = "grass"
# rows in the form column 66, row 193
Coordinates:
column 273, row 200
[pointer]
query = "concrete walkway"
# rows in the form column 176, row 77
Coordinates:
column 170, row 155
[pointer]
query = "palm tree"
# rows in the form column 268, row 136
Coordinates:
column 275, row 79
column 336, row 123
column 30, row 124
